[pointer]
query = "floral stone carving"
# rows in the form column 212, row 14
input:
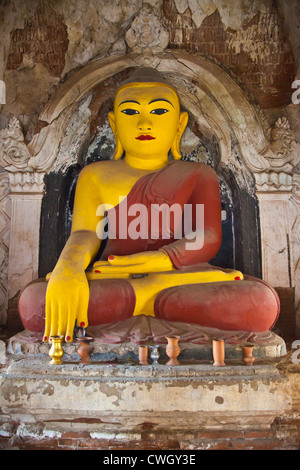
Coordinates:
column 14, row 153
column 147, row 36
column 285, row 149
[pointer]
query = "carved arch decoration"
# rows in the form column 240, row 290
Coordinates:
column 217, row 102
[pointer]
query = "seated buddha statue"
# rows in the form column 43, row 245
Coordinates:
column 153, row 262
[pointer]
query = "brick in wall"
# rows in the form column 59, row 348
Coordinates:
column 259, row 55
column 44, row 38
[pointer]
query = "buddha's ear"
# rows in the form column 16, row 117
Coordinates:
column 183, row 120
column 119, row 149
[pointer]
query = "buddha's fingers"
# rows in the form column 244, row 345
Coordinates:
column 54, row 308
column 62, row 319
column 129, row 269
column 46, row 330
column 126, row 260
column 100, row 264
column 122, row 261
column 82, row 316
column 48, row 320
column 71, row 318
column 148, row 261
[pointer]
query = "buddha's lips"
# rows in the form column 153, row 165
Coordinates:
column 145, row 137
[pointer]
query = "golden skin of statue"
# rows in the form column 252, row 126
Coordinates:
column 140, row 109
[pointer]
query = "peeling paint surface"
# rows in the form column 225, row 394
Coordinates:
column 192, row 389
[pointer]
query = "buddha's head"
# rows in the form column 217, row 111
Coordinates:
column 147, row 121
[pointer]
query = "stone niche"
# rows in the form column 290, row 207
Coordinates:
column 260, row 194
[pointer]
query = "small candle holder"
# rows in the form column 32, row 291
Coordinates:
column 219, row 352
column 56, row 351
column 84, row 349
column 154, row 354
column 173, row 350
column 143, row 355
column 248, row 358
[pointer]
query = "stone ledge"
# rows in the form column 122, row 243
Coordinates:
column 193, row 406
column 40, row 367
column 28, row 343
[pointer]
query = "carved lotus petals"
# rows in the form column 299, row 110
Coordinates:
column 147, row 32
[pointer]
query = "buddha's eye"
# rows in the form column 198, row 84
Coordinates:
column 130, row 111
column 159, row 111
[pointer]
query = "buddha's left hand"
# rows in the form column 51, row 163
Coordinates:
column 147, row 262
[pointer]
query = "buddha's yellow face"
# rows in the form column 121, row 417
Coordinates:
column 147, row 119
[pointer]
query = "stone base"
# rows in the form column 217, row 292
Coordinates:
column 125, row 395
column 129, row 406
column 115, row 403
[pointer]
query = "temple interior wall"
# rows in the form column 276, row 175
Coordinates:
column 234, row 65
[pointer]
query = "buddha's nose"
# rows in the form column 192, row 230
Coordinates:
column 144, row 124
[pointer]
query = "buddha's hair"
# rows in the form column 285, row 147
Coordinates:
column 146, row 75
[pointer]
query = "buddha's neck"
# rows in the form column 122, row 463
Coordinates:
column 141, row 163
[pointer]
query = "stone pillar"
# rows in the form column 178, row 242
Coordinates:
column 26, row 192
column 295, row 244
column 21, row 192
column 275, row 237
column 277, row 190
column 279, row 224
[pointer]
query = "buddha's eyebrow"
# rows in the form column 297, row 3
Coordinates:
column 129, row 101
column 161, row 99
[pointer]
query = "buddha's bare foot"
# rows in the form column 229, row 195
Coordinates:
column 147, row 288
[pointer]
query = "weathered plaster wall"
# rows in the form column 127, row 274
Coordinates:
column 248, row 39
column 42, row 41
column 45, row 43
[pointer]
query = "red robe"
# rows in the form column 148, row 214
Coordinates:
column 183, row 183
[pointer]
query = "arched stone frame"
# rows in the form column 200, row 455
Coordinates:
column 211, row 95
column 206, row 90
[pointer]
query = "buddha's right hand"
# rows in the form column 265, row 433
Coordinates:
column 67, row 300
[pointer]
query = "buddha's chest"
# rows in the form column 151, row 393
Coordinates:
column 114, row 188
